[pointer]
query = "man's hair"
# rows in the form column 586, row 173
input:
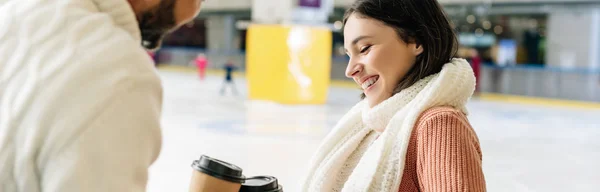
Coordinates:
column 156, row 23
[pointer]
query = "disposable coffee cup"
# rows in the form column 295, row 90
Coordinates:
column 261, row 184
column 213, row 175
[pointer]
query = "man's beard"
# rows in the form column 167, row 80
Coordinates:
column 156, row 23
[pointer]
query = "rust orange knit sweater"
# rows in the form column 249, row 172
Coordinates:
column 443, row 154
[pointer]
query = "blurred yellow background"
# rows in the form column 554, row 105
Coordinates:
column 288, row 64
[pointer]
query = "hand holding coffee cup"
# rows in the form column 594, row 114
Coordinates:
column 213, row 175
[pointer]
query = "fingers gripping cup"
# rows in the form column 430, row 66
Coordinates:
column 213, row 175
column 261, row 184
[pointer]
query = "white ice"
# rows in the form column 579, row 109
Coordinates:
column 525, row 147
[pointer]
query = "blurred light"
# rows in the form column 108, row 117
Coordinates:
column 479, row 32
column 341, row 50
column 298, row 39
column 471, row 19
column 498, row 29
column 533, row 23
column 487, row 25
column 242, row 24
column 480, row 10
column 338, row 25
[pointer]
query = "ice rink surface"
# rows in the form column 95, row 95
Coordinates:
column 525, row 147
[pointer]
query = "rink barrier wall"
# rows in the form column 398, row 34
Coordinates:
column 559, row 83
column 486, row 96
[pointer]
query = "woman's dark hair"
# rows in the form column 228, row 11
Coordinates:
column 416, row 21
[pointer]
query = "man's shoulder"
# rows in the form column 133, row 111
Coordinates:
column 73, row 48
column 69, row 35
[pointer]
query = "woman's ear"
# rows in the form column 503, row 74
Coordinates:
column 417, row 49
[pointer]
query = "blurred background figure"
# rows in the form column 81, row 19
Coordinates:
column 153, row 57
column 201, row 63
column 229, row 68
column 475, row 61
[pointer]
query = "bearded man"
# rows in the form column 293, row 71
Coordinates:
column 80, row 100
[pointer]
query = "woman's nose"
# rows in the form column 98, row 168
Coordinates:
column 352, row 70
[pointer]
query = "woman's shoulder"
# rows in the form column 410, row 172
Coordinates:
column 445, row 123
column 442, row 115
column 441, row 110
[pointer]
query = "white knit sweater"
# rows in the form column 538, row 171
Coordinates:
column 80, row 99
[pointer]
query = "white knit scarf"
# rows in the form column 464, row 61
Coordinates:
column 380, row 168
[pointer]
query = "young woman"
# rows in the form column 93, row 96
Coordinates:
column 410, row 132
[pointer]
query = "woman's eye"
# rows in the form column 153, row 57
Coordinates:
column 365, row 48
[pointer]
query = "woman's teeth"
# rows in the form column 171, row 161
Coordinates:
column 369, row 82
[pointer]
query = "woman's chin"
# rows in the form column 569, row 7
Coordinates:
column 373, row 101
